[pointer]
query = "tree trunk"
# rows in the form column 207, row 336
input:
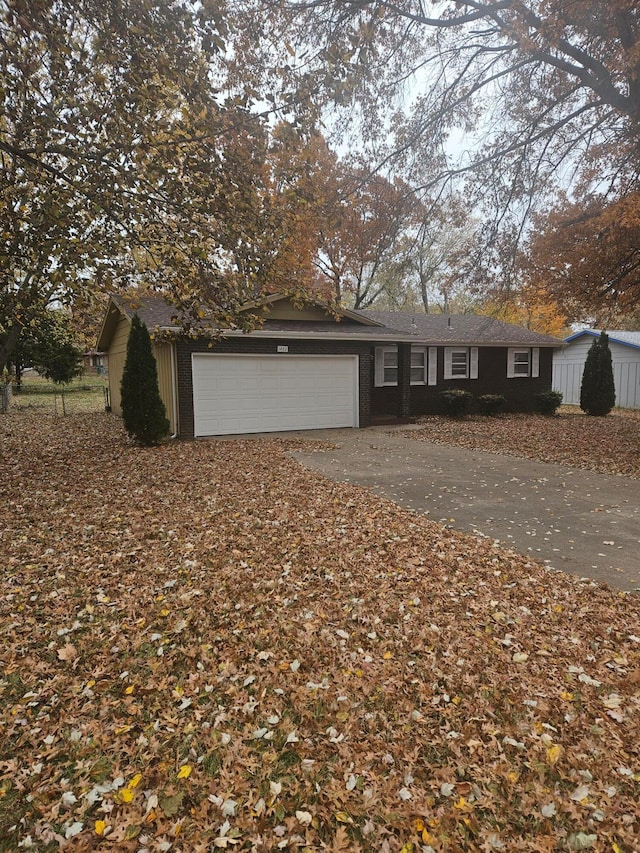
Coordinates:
column 6, row 348
column 425, row 295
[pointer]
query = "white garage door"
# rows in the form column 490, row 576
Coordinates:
column 268, row 393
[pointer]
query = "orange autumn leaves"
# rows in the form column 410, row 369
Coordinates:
column 311, row 666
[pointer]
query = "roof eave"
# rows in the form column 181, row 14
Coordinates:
column 596, row 334
column 391, row 337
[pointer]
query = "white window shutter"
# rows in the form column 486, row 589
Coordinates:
column 535, row 361
column 447, row 363
column 473, row 364
column 379, row 367
column 433, row 365
column 510, row 358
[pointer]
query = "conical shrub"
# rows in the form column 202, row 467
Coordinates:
column 598, row 390
column 143, row 412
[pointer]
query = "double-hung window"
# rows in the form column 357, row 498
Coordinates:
column 386, row 366
column 523, row 362
column 461, row 362
column 422, row 370
column 419, row 365
column 424, row 365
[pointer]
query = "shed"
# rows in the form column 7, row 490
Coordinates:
column 568, row 366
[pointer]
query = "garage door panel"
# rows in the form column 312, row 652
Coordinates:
column 244, row 394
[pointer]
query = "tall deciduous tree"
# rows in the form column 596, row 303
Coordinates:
column 49, row 345
column 588, row 255
column 546, row 91
column 439, row 253
column 348, row 233
column 531, row 307
column 122, row 161
column 363, row 236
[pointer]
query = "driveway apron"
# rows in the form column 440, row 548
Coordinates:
column 576, row 521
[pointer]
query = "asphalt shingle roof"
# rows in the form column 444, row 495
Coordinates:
column 152, row 310
column 435, row 329
column 461, row 328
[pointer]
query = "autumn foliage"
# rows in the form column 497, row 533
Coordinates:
column 586, row 254
column 205, row 646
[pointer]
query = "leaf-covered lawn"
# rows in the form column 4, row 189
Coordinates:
column 206, row 646
column 610, row 445
column 83, row 394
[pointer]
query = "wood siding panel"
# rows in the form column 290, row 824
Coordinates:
column 284, row 310
column 162, row 351
column 117, row 357
column 626, row 375
column 567, row 378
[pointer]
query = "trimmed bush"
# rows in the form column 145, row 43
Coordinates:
column 547, row 402
column 456, row 402
column 598, row 391
column 491, row 404
column 143, row 412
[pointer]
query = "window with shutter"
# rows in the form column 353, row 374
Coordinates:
column 523, row 362
column 418, row 365
column 461, row 362
column 386, row 366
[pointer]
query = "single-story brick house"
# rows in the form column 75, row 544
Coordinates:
column 306, row 369
column 568, row 365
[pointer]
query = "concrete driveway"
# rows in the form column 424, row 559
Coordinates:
column 573, row 520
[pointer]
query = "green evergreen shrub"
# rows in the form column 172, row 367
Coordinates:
column 456, row 402
column 143, row 412
column 598, row 391
column 491, row 404
column 547, row 402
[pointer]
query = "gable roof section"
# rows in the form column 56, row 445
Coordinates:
column 451, row 329
column 158, row 314
column 433, row 329
column 628, row 339
column 154, row 312
column 345, row 313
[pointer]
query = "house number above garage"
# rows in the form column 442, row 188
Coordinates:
column 282, row 348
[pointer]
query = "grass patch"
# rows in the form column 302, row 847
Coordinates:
column 83, row 394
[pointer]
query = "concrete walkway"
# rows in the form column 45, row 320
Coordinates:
column 577, row 521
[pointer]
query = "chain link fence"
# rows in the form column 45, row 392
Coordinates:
column 85, row 394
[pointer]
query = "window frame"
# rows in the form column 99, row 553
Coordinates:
column 380, row 366
column 471, row 357
column 424, row 366
column 533, row 363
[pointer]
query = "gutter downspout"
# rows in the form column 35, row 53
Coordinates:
column 174, row 388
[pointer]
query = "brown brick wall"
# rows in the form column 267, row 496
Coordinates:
column 492, row 379
column 266, row 346
column 424, row 399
